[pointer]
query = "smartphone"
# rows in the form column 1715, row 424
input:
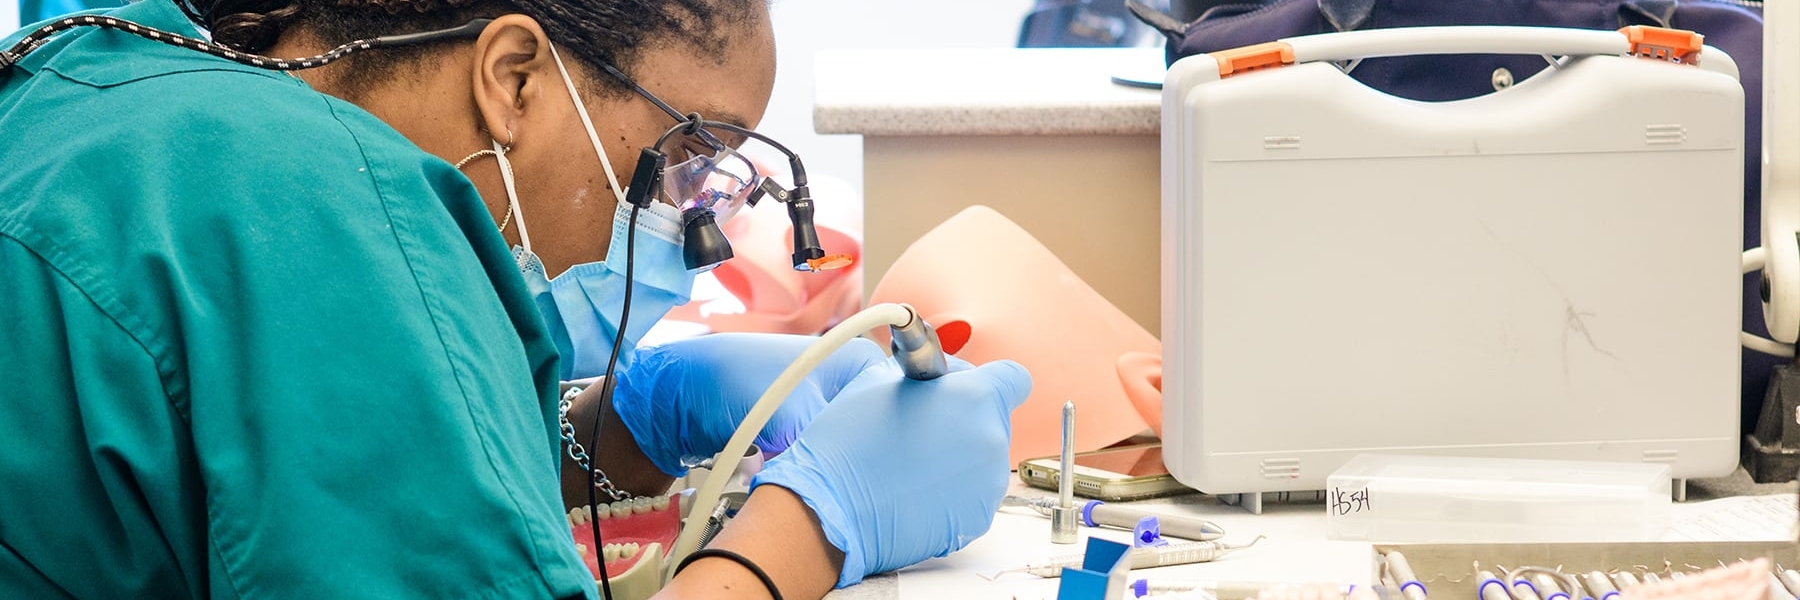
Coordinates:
column 1117, row 474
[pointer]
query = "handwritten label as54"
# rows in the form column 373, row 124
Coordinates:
column 1343, row 502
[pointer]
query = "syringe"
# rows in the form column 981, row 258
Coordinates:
column 1142, row 558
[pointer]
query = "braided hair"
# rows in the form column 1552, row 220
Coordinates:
column 594, row 31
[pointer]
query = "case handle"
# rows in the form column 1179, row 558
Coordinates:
column 1673, row 45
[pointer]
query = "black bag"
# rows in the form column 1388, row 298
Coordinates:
column 1080, row 24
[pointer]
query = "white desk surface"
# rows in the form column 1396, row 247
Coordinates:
column 987, row 91
column 1294, row 551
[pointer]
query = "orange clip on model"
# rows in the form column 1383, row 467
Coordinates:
column 994, row 292
column 775, row 297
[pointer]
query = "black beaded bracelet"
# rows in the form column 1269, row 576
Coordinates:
column 736, row 558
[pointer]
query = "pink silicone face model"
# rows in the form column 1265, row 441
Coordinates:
column 1141, row 375
column 994, row 292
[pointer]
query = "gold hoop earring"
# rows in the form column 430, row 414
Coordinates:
column 501, row 156
column 471, row 158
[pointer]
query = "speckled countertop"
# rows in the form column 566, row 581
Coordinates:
column 988, row 91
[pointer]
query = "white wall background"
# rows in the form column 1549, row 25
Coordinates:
column 804, row 27
column 9, row 17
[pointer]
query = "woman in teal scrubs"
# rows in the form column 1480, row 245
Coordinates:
column 263, row 338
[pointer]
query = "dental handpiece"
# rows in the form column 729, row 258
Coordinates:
column 1096, row 513
column 917, row 350
column 1144, row 558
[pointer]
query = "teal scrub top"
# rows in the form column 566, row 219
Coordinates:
column 38, row 10
column 255, row 343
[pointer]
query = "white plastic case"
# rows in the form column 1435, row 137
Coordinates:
column 1549, row 271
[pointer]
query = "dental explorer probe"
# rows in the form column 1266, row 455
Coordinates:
column 1142, row 558
column 1096, row 513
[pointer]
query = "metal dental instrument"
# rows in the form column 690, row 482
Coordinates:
column 1386, row 579
column 1220, row 590
column 1523, row 589
column 1789, row 579
column 1624, row 580
column 1545, row 582
column 1550, row 588
column 1491, row 587
column 1142, row 558
column 1410, row 587
column 1096, row 513
column 1599, row 586
column 1062, row 516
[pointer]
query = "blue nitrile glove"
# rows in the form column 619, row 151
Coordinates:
column 686, row 398
column 899, row 471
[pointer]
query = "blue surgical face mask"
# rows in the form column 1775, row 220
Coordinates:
column 583, row 306
column 589, row 297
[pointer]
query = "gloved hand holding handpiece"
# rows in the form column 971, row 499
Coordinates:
column 898, row 471
column 686, row 398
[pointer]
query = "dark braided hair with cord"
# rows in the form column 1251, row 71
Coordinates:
column 595, row 31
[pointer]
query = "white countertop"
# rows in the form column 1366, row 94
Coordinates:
column 1295, row 549
column 987, row 91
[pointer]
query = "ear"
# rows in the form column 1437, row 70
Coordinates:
column 953, row 332
column 512, row 59
column 1141, row 375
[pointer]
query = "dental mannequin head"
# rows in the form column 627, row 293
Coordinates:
column 993, row 291
column 455, row 98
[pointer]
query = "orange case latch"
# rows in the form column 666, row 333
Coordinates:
column 1251, row 58
column 1657, row 43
